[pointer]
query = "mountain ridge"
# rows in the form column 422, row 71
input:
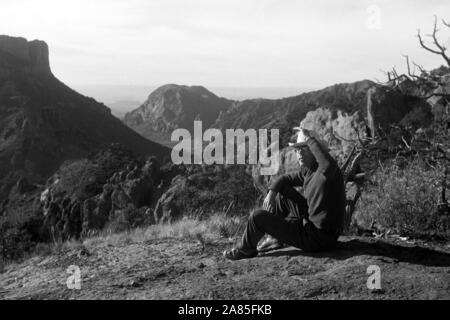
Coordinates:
column 283, row 113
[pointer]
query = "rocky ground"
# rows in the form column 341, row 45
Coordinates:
column 192, row 269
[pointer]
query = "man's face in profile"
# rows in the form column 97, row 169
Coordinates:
column 304, row 156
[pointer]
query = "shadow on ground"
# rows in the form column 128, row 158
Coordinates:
column 344, row 250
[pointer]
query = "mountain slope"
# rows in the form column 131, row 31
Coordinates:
column 43, row 122
column 283, row 114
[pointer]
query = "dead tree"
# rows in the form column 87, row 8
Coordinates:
column 439, row 48
column 417, row 81
column 420, row 83
column 354, row 176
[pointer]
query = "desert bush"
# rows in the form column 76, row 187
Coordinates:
column 404, row 197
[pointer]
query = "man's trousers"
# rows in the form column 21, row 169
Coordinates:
column 289, row 224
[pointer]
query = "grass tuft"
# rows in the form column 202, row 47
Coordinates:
column 206, row 231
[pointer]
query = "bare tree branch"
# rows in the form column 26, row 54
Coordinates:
column 406, row 144
column 441, row 50
column 422, row 43
column 445, row 23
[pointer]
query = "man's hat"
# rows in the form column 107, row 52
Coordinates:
column 301, row 139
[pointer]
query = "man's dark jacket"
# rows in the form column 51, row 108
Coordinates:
column 323, row 189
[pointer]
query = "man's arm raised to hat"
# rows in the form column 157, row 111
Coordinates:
column 293, row 180
column 324, row 160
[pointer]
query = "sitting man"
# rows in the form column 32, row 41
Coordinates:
column 311, row 222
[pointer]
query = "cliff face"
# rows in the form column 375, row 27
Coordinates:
column 32, row 57
column 43, row 122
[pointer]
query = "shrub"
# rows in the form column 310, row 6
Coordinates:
column 404, row 198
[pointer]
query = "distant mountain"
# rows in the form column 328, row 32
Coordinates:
column 346, row 98
column 43, row 122
column 244, row 93
column 125, row 98
column 174, row 106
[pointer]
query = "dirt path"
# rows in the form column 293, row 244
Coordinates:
column 176, row 269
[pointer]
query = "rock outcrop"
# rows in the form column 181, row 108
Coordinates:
column 32, row 56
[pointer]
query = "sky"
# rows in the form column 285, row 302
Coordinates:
column 226, row 43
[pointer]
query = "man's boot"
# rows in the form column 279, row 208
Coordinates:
column 269, row 244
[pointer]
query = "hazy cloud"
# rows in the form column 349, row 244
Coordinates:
column 222, row 43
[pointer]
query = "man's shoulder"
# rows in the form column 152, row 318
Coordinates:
column 331, row 172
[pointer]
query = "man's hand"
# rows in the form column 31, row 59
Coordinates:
column 303, row 134
column 269, row 201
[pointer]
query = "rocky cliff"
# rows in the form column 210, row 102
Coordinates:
column 31, row 56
